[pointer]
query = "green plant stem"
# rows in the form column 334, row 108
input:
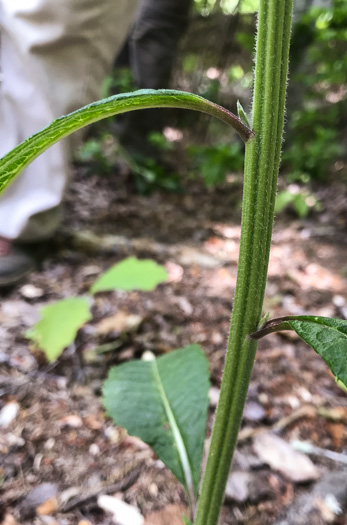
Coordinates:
column 262, row 159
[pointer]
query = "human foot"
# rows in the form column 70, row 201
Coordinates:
column 15, row 263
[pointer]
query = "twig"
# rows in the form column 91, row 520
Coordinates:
column 307, row 448
column 91, row 497
column 305, row 411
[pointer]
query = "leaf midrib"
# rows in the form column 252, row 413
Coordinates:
column 181, row 448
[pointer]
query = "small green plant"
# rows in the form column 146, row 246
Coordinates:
column 301, row 201
column 167, row 404
column 60, row 321
column 59, row 325
column 314, row 145
column 319, row 61
column 214, row 162
column 170, row 382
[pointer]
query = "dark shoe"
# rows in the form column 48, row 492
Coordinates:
column 15, row 263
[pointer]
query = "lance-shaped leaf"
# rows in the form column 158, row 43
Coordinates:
column 327, row 336
column 164, row 402
column 131, row 274
column 17, row 159
column 59, row 325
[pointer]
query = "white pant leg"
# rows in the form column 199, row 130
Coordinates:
column 54, row 57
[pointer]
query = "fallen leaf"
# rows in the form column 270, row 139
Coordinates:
column 237, row 486
column 123, row 514
column 189, row 256
column 120, row 322
column 337, row 432
column 280, row 456
column 171, row 515
column 37, row 498
column 95, row 421
column 248, row 486
column 47, row 508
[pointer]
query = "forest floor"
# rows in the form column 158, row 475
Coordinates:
column 60, row 452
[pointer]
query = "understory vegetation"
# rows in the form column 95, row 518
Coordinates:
column 314, row 129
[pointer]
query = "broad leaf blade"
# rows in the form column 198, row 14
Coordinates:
column 164, row 402
column 59, row 325
column 12, row 164
column 131, row 274
column 328, row 337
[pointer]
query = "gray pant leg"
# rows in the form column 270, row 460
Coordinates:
column 151, row 51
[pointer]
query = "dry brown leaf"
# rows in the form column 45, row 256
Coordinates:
column 172, row 514
column 95, row 421
column 337, row 432
column 48, row 507
column 122, row 321
column 280, row 456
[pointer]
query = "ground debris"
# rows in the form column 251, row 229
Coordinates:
column 248, row 486
column 60, row 434
column 123, row 514
column 41, row 500
column 280, row 456
column 325, row 503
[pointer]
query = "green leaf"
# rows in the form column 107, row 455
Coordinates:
column 328, row 337
column 186, row 521
column 131, row 274
column 283, row 199
column 242, row 114
column 59, row 325
column 164, row 402
column 17, row 159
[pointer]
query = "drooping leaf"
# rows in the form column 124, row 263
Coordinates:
column 21, row 156
column 327, row 336
column 164, row 402
column 59, row 325
column 131, row 274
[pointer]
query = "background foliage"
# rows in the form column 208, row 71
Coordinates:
column 220, row 68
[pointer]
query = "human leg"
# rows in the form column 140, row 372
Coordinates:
column 54, row 57
column 150, row 52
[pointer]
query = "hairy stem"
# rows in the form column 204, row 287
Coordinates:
column 261, row 170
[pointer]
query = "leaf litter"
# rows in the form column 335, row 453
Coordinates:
column 60, row 435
